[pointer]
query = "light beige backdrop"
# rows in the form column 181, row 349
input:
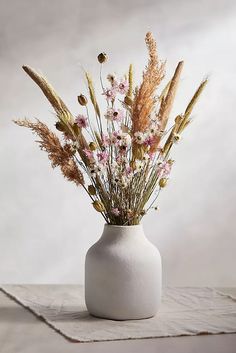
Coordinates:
column 47, row 224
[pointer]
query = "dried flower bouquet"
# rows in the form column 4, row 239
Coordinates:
column 120, row 158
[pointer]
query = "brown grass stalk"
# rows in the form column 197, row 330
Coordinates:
column 60, row 156
column 167, row 103
column 144, row 99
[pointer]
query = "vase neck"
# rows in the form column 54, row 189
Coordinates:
column 118, row 232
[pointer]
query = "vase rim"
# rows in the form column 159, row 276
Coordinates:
column 123, row 227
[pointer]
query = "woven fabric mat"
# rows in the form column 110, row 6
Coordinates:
column 184, row 311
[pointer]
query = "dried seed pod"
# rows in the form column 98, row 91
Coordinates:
column 82, row 99
column 76, row 128
column 176, row 138
column 98, row 205
column 92, row 146
column 163, row 182
column 102, row 57
column 91, row 190
column 128, row 101
column 143, row 212
column 60, row 126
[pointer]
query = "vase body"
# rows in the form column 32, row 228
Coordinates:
column 123, row 275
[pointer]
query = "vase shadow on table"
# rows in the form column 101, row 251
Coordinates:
column 19, row 312
column 70, row 314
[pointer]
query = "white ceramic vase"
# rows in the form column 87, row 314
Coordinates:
column 123, row 275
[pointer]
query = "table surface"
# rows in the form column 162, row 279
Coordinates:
column 22, row 332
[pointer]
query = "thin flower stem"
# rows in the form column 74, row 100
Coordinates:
column 158, row 193
column 101, row 80
column 90, row 125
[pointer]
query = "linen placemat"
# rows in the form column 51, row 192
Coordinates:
column 184, row 311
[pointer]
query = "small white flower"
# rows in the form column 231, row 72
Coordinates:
column 140, row 137
column 154, row 128
column 139, row 165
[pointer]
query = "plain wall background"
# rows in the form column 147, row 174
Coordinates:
column 46, row 223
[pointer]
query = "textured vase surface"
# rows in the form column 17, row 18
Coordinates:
column 123, row 275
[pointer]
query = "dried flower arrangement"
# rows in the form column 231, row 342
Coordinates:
column 126, row 157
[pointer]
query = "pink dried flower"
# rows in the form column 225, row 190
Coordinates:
column 164, row 169
column 105, row 140
column 110, row 93
column 150, row 140
column 116, row 137
column 123, row 86
column 114, row 114
column 102, row 157
column 88, row 154
column 81, row 121
column 115, row 211
column 151, row 155
column 128, row 171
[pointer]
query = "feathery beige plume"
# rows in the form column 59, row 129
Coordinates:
column 144, row 99
column 60, row 156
